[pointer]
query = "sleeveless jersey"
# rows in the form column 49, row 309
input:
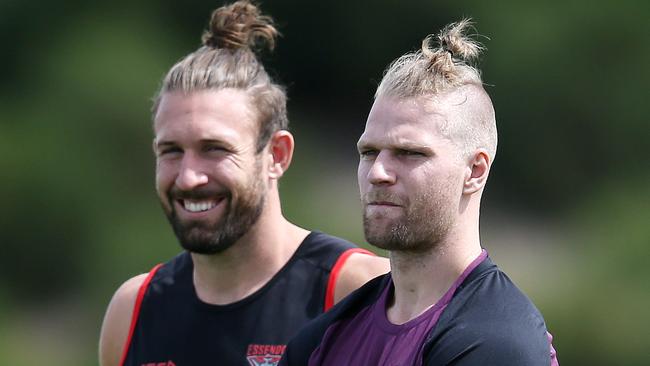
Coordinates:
column 171, row 326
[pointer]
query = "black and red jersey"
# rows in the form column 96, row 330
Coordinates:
column 171, row 326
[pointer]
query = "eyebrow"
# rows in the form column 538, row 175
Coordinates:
column 411, row 146
column 364, row 144
column 164, row 143
column 396, row 146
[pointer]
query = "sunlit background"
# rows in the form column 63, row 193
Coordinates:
column 566, row 213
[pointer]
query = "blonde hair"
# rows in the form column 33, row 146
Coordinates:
column 227, row 59
column 437, row 70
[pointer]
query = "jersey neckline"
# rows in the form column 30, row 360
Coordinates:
column 379, row 311
column 255, row 295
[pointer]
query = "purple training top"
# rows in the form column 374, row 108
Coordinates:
column 370, row 339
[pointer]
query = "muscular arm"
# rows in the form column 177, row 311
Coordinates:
column 117, row 321
column 358, row 269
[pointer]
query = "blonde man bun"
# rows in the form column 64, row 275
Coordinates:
column 444, row 61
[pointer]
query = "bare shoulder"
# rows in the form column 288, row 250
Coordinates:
column 358, row 269
column 117, row 321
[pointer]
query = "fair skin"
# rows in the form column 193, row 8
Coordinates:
column 207, row 139
column 405, row 157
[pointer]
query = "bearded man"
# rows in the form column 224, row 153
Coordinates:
column 248, row 279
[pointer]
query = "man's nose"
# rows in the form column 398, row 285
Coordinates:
column 381, row 171
column 191, row 174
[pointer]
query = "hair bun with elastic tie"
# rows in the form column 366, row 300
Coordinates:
column 452, row 48
column 454, row 40
column 240, row 26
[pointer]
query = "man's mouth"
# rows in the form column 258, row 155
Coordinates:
column 199, row 205
column 382, row 203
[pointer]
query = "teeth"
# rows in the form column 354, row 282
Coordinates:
column 198, row 206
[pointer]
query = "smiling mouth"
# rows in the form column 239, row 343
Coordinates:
column 199, row 205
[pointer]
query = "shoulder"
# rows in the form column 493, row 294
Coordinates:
column 356, row 269
column 490, row 321
column 117, row 321
column 507, row 344
column 310, row 336
column 121, row 315
column 348, row 265
column 323, row 246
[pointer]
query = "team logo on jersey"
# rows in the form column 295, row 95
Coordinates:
column 264, row 354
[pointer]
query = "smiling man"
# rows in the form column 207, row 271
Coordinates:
column 425, row 156
column 248, row 278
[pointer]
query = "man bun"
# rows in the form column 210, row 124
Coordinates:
column 240, row 25
column 443, row 61
column 453, row 47
column 227, row 59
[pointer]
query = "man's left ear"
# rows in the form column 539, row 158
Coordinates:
column 280, row 151
column 477, row 172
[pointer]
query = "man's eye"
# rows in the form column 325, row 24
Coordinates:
column 214, row 148
column 409, row 152
column 367, row 153
column 170, row 150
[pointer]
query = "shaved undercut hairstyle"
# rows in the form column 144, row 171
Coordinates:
column 228, row 59
column 442, row 66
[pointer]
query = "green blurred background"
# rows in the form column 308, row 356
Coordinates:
column 566, row 212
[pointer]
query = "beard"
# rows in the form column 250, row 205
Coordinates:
column 424, row 223
column 238, row 217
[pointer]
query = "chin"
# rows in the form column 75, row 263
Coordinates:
column 208, row 243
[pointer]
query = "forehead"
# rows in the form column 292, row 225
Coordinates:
column 208, row 113
column 395, row 120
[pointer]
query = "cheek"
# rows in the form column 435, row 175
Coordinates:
column 239, row 179
column 362, row 174
column 451, row 184
column 165, row 175
column 232, row 173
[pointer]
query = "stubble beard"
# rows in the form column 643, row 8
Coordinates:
column 238, row 218
column 424, row 224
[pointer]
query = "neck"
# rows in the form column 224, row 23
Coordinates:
column 421, row 279
column 251, row 262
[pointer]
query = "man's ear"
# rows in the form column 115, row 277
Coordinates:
column 478, row 170
column 280, row 151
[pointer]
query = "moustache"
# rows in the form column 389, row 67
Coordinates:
column 197, row 193
column 383, row 196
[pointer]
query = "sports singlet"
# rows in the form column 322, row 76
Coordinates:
column 171, row 326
